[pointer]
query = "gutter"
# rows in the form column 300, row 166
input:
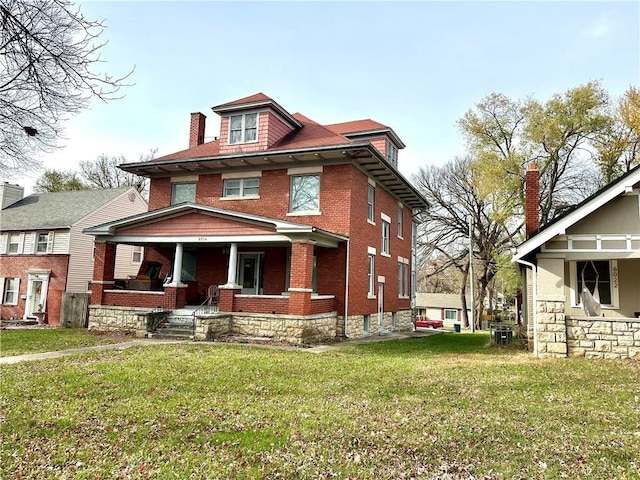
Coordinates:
column 534, row 302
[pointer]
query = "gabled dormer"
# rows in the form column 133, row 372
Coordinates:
column 253, row 124
column 383, row 138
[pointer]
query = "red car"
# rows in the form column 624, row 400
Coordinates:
column 426, row 323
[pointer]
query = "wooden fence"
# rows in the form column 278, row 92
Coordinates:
column 75, row 310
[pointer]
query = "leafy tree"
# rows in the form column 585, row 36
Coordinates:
column 49, row 54
column 505, row 135
column 58, row 181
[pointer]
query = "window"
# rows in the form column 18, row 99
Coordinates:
column 243, row 128
column 371, row 193
column 136, row 254
column 44, row 242
column 370, row 275
column 183, row 192
column 241, row 187
column 11, row 288
column 394, row 320
column 305, row 193
column 450, row 314
column 400, row 221
column 14, row 243
column 384, row 248
column 365, row 323
column 392, row 153
column 606, row 273
column 403, row 279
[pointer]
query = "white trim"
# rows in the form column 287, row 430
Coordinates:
column 304, row 170
column 296, row 289
column 303, row 213
column 371, row 250
column 381, row 279
column 616, row 189
column 250, row 174
column 385, row 217
column 240, row 197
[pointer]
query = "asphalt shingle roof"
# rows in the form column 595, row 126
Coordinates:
column 55, row 210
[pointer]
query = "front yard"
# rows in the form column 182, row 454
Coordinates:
column 444, row 406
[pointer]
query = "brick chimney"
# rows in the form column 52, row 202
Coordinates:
column 531, row 200
column 196, row 132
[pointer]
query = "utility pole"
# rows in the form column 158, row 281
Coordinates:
column 473, row 303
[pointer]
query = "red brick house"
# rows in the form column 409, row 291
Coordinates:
column 305, row 228
column 43, row 252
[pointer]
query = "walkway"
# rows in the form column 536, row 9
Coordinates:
column 149, row 342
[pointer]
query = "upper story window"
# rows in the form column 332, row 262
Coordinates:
column 400, row 221
column 392, row 153
column 371, row 194
column 14, row 243
column 183, row 192
column 305, row 193
column 241, row 187
column 386, row 227
column 44, row 242
column 243, row 128
column 136, row 254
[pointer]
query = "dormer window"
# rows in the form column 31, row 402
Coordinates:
column 392, row 153
column 243, row 128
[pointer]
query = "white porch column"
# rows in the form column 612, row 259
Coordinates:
column 233, row 264
column 177, row 264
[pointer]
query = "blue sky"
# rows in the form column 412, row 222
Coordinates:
column 414, row 66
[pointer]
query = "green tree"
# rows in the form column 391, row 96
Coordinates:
column 58, row 181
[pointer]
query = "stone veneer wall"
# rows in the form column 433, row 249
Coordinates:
column 355, row 324
column 552, row 331
column 118, row 319
column 601, row 337
column 589, row 337
column 289, row 328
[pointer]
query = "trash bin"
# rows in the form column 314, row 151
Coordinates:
column 503, row 335
column 456, row 327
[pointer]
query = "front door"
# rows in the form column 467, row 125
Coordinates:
column 380, row 307
column 36, row 292
column 249, row 274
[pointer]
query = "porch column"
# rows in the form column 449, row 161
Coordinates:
column 233, row 265
column 301, row 278
column 177, row 265
column 552, row 329
column 104, row 265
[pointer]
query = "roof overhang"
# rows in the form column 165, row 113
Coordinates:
column 376, row 133
column 362, row 154
column 283, row 231
column 559, row 226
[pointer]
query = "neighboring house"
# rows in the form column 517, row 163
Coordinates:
column 442, row 306
column 600, row 239
column 43, row 252
column 305, row 228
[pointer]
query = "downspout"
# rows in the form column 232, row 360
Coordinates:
column 414, row 268
column 534, row 304
column 346, row 294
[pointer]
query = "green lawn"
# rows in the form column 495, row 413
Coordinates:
column 444, row 406
column 20, row 341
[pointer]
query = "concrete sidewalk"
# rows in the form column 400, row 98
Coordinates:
column 150, row 342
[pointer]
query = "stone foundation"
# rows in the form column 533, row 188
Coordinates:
column 289, row 328
column 552, row 332
column 130, row 320
column 356, row 326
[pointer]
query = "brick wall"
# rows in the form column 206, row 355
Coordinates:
column 16, row 266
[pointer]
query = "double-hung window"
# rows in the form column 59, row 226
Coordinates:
column 241, row 187
column 305, row 193
column 14, row 243
column 403, row 278
column 243, row 128
column 136, row 254
column 600, row 273
column 183, row 192
column 371, row 195
column 11, row 290
column 370, row 275
column 392, row 153
column 384, row 247
column 44, row 242
column 400, row 221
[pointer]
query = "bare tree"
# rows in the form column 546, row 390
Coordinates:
column 104, row 172
column 455, row 202
column 49, row 54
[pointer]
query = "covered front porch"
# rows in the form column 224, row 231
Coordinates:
column 215, row 261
